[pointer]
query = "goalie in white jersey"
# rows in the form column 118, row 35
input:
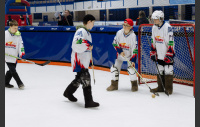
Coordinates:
column 162, row 51
column 125, row 43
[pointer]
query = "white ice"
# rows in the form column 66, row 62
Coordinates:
column 42, row 103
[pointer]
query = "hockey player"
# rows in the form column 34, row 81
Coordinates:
column 13, row 46
column 80, row 59
column 162, row 51
column 125, row 43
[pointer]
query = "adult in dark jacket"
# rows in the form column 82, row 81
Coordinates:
column 69, row 18
column 65, row 19
column 142, row 18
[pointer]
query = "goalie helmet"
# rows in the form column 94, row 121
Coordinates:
column 158, row 15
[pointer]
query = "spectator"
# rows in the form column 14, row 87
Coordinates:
column 69, row 18
column 8, row 21
column 21, row 21
column 137, row 20
column 142, row 18
column 150, row 20
column 65, row 19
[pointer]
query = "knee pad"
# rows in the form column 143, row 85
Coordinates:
column 115, row 73
column 132, row 73
column 169, row 70
column 130, row 70
column 161, row 69
column 85, row 78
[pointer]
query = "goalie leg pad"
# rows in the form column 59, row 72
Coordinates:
column 115, row 73
column 132, row 73
column 169, row 70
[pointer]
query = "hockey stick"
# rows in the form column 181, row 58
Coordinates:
column 60, row 4
column 159, row 75
column 43, row 64
column 141, row 77
column 92, row 67
column 63, row 11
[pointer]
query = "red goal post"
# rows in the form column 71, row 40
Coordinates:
column 184, row 60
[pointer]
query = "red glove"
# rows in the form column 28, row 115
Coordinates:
column 169, row 57
column 153, row 55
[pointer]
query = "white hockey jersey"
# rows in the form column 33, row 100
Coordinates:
column 127, row 44
column 13, row 46
column 162, row 40
column 81, row 55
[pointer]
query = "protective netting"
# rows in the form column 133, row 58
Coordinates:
column 184, row 54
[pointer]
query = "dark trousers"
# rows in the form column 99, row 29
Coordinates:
column 12, row 73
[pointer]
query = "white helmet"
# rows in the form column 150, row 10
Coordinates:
column 158, row 15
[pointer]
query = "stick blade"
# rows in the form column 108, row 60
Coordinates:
column 166, row 93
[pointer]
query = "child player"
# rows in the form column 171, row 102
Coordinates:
column 13, row 46
column 125, row 43
column 80, row 59
column 162, row 51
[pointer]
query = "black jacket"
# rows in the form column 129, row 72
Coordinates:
column 143, row 21
column 66, row 21
column 70, row 20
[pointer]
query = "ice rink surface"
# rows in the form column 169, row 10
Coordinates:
column 42, row 103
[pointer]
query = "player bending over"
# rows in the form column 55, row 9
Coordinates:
column 162, row 51
column 125, row 43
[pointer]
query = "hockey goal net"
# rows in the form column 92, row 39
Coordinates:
column 184, row 60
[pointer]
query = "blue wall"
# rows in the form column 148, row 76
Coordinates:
column 54, row 43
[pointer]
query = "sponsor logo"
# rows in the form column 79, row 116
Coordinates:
column 159, row 39
column 10, row 44
column 53, row 28
column 124, row 45
column 101, row 28
column 79, row 33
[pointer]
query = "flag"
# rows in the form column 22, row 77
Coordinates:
column 27, row 18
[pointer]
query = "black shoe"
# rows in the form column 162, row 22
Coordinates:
column 21, row 86
column 9, row 86
column 68, row 93
column 70, row 97
column 91, row 104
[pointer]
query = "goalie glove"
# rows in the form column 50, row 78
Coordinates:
column 153, row 55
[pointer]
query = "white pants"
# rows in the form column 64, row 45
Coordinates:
column 118, row 64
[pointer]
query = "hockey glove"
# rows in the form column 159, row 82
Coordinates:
column 170, row 54
column 169, row 58
column 90, row 65
column 22, row 55
column 153, row 55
